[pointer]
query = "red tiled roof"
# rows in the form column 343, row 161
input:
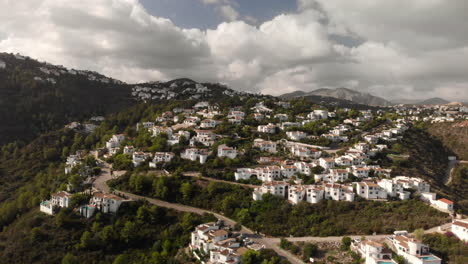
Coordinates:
column 447, row 201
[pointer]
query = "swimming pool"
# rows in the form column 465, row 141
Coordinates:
column 429, row 258
column 385, row 262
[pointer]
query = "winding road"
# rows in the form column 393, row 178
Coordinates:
column 451, row 169
column 270, row 242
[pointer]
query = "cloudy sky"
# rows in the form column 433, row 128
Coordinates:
column 395, row 49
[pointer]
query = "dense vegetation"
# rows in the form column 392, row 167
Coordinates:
column 30, row 108
column 276, row 217
column 448, row 247
column 140, row 233
column 459, row 186
column 454, row 136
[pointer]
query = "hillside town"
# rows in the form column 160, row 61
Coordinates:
column 339, row 163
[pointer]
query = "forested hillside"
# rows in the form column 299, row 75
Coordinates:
column 454, row 136
column 37, row 97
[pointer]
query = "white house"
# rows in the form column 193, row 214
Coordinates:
column 61, row 199
column 205, row 235
column 370, row 190
column 161, row 157
column 156, row 130
column 278, row 188
column 176, row 137
column 314, row 194
column 128, row 150
column 265, row 145
column 413, row 250
column 460, row 229
column 139, row 157
column 72, row 162
column 374, row 252
column 269, row 173
column 88, row 210
column 416, row 183
column 209, row 123
column 318, row 114
column 338, row 192
column 191, row 121
column 115, row 141
column 288, row 171
column 245, row 174
column 296, row 194
column 337, row 175
column 360, row 172
column 343, row 161
column 210, row 238
column 195, row 154
column 296, row 135
column 269, row 129
column 282, row 117
column 227, row 251
column 304, row 168
column 327, row 163
column 107, row 202
column 205, row 137
column 394, row 189
column 444, row 204
column 225, row 151
column 47, row 207
column 304, row 152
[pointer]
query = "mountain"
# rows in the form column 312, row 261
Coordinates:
column 37, row 97
column 292, row 95
column 434, row 101
column 430, row 101
column 343, row 94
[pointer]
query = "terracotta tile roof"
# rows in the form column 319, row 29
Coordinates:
column 446, row 201
column 220, row 232
column 62, row 194
column 460, row 223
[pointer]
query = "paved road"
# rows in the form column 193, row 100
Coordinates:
column 269, row 242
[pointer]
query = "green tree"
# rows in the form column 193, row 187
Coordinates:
column 345, row 243
column 310, row 250
column 70, row 259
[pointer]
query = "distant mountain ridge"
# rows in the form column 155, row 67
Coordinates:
column 430, row 101
column 343, row 94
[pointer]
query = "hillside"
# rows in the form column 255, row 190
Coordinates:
column 453, row 135
column 433, row 101
column 37, row 97
column 342, row 103
column 430, row 101
column 343, row 94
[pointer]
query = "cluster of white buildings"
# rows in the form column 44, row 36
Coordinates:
column 412, row 249
column 103, row 202
column 211, row 242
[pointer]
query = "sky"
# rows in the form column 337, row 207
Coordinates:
column 399, row 49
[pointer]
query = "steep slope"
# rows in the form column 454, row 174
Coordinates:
column 38, row 97
column 292, row 95
column 454, row 136
column 343, row 94
column 433, row 101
